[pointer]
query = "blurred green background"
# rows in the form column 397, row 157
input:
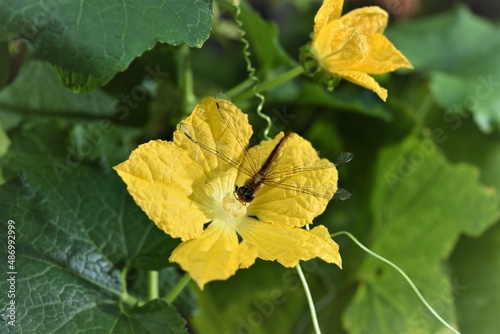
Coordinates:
column 424, row 179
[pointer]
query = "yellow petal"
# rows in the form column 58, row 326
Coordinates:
column 336, row 38
column 330, row 10
column 168, row 186
column 364, row 80
column 302, row 183
column 366, row 20
column 217, row 134
column 215, row 255
column 287, row 245
column 382, row 57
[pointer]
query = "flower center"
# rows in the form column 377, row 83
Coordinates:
column 233, row 208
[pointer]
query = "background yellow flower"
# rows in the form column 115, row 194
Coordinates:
column 353, row 46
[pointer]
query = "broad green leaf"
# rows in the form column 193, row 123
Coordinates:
column 476, row 268
column 345, row 97
column 266, row 298
column 466, row 75
column 462, row 141
column 72, row 242
column 78, row 234
column 475, row 264
column 38, row 91
column 421, row 205
column 89, row 42
column 103, row 141
column 154, row 317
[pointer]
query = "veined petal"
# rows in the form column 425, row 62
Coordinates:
column 215, row 255
column 382, row 57
column 288, row 245
column 381, row 49
column 302, row 183
column 168, row 186
column 330, row 10
column 366, row 20
column 335, row 38
column 216, row 133
column 364, row 80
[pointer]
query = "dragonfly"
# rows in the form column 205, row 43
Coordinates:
column 280, row 168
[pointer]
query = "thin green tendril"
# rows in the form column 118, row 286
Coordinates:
column 251, row 72
column 402, row 273
column 310, row 301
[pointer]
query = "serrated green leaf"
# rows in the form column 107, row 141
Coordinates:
column 75, row 238
column 421, row 205
column 89, row 42
column 466, row 76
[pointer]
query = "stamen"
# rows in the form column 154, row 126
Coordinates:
column 233, row 207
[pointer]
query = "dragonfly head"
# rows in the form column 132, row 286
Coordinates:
column 245, row 194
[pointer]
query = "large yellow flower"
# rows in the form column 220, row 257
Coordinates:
column 353, row 46
column 189, row 193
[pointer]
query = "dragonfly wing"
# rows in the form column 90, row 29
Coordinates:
column 309, row 189
column 341, row 194
column 206, row 142
column 289, row 164
column 343, row 158
column 298, row 167
column 226, row 112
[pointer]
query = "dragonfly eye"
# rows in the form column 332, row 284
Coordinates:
column 245, row 194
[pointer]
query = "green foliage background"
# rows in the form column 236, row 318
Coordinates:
column 83, row 83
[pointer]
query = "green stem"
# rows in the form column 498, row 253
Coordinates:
column 130, row 300
column 240, row 88
column 183, row 282
column 125, row 297
column 283, row 77
column 310, row 301
column 402, row 273
column 153, row 279
column 186, row 80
